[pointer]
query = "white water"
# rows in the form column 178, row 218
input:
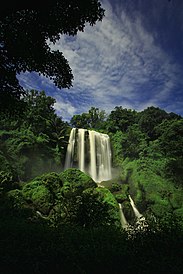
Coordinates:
column 70, row 149
column 135, row 210
column 93, row 165
column 95, row 159
column 124, row 222
column 81, row 149
column 103, row 158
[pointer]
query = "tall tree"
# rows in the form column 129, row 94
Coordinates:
column 120, row 119
column 24, row 31
column 94, row 118
column 151, row 117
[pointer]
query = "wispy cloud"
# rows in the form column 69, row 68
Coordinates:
column 115, row 62
column 64, row 108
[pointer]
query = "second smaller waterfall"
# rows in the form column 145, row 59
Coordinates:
column 124, row 222
column 135, row 210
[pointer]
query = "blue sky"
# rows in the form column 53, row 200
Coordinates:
column 133, row 59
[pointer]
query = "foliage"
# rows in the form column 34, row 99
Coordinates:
column 130, row 144
column 6, row 180
column 109, row 199
column 120, row 119
column 134, row 142
column 70, row 197
column 38, row 195
column 147, row 151
column 39, row 110
column 116, row 144
column 77, row 179
column 81, row 250
column 171, row 146
column 82, row 203
column 151, row 117
column 43, row 192
column 115, row 187
column 16, row 205
column 91, row 208
column 36, row 141
column 63, row 222
column 152, row 193
column 24, row 33
column 122, row 194
column 94, row 119
column 21, row 150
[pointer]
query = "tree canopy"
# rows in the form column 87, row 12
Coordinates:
column 95, row 118
column 24, row 31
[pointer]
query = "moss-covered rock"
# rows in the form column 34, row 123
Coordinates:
column 107, row 196
column 99, row 208
column 120, row 191
column 16, row 197
column 37, row 195
column 13, row 205
column 112, row 203
column 120, row 197
column 115, row 187
column 52, row 181
column 43, row 191
column 128, row 212
column 77, row 178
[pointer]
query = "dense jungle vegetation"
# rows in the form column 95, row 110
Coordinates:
column 59, row 221
column 56, row 221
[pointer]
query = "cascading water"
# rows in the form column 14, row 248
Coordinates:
column 135, row 210
column 141, row 223
column 93, row 153
column 70, row 149
column 124, row 222
column 93, row 160
column 81, row 149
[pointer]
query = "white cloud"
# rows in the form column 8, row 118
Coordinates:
column 115, row 62
column 64, row 109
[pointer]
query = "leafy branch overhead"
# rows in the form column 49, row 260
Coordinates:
column 24, row 31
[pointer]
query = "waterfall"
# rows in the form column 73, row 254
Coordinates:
column 141, row 223
column 93, row 165
column 135, row 210
column 81, row 149
column 70, row 149
column 103, row 156
column 93, row 153
column 124, row 222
